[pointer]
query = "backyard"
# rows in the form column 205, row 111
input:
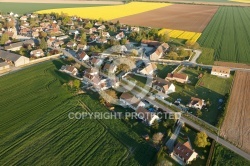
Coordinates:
column 35, row 127
column 163, row 70
column 210, row 88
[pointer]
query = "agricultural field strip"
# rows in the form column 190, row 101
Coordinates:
column 107, row 12
column 179, row 34
column 229, row 24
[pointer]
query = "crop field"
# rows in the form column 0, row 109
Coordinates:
column 228, row 34
column 192, row 36
column 193, row 18
column 36, row 130
column 236, row 126
column 22, row 8
column 109, row 12
column 242, row 1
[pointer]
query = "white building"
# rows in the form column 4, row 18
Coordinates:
column 220, row 71
column 146, row 116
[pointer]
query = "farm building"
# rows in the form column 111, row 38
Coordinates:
column 4, row 65
column 179, row 77
column 15, row 59
column 220, row 71
column 184, row 152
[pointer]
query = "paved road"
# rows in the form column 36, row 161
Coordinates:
column 195, row 126
column 196, row 56
column 171, row 141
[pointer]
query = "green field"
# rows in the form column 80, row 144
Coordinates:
column 206, row 57
column 228, row 34
column 163, row 70
column 35, row 128
column 22, row 8
column 224, row 156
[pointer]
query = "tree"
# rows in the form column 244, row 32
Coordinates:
column 4, row 38
column 155, row 126
column 199, row 113
column 157, row 137
column 134, row 52
column 201, row 140
column 164, row 38
column 186, row 129
column 43, row 44
column 123, row 67
column 42, row 34
column 83, row 39
column 77, row 84
column 109, row 96
column 123, row 41
column 88, row 25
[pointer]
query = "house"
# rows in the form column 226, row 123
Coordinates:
column 101, row 40
column 184, row 152
column 98, row 24
column 119, row 36
column 96, row 62
column 220, row 71
column 82, row 47
column 90, row 73
column 111, row 68
column 4, row 65
column 35, row 34
column 23, row 18
column 62, row 37
column 159, row 51
column 100, row 83
column 135, row 29
column 102, row 27
column 150, row 43
column 124, row 28
column 196, row 103
column 149, row 69
column 69, row 69
column 17, row 46
column 163, row 86
column 37, row 53
column 179, row 77
column 82, row 56
column 105, row 34
column 71, row 44
column 12, row 58
column 129, row 100
column 146, row 116
column 58, row 44
column 73, row 32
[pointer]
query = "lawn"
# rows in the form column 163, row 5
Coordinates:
column 22, row 8
column 210, row 88
column 35, row 128
column 228, row 34
column 139, row 80
column 206, row 57
column 202, row 152
column 163, row 70
column 224, row 156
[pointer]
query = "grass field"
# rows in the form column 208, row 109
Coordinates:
column 35, row 128
column 228, row 33
column 109, row 12
column 224, row 156
column 206, row 57
column 241, row 1
column 210, row 88
column 22, row 8
column 163, row 70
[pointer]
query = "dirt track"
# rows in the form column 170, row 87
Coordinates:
column 236, row 126
column 182, row 17
column 231, row 64
column 64, row 1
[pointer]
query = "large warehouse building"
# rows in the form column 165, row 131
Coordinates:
column 15, row 59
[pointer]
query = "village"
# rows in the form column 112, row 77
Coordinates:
column 149, row 73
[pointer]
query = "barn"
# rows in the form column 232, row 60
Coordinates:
column 15, row 59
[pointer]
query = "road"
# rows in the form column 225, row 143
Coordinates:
column 196, row 56
column 171, row 141
column 192, row 124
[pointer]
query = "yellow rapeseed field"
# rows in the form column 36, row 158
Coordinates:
column 108, row 12
column 192, row 36
column 242, row 1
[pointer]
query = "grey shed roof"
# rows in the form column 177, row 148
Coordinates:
column 9, row 56
column 3, row 64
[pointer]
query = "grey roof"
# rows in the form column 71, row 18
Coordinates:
column 9, row 56
column 3, row 64
column 19, row 44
